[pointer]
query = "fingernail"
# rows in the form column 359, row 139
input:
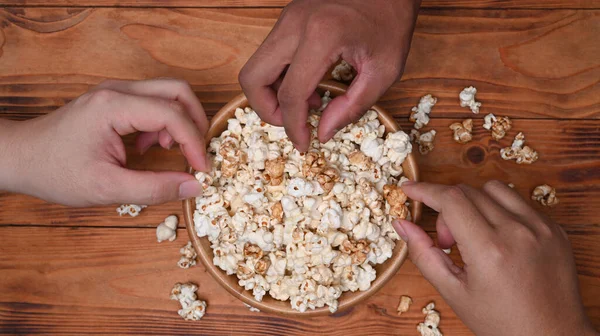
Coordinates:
column 400, row 230
column 191, row 188
column 407, row 183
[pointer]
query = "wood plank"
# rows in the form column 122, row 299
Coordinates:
column 59, row 280
column 525, row 63
column 568, row 161
column 537, row 4
column 69, row 281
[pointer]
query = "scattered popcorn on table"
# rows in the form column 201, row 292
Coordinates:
column 498, row 126
column 462, row 131
column 343, row 72
column 191, row 308
column 405, row 302
column 425, row 140
column 132, row 210
column 429, row 327
column 167, row 230
column 518, row 152
column 545, row 195
column 420, row 113
column 188, row 256
column 303, row 227
column 252, row 309
column 467, row 99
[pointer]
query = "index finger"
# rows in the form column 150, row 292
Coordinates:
column 309, row 65
column 464, row 220
column 128, row 114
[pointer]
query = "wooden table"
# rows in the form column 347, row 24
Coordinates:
column 87, row 271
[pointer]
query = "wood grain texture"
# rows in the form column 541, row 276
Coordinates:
column 525, row 63
column 538, row 4
column 63, row 280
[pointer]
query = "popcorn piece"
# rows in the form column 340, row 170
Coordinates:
column 167, row 230
column 396, row 198
column 447, row 251
column 252, row 309
column 429, row 327
column 498, row 126
column 405, row 302
column 303, row 227
column 521, row 154
column 545, row 195
column 343, row 72
column 188, row 256
column 462, row 131
column 132, row 210
column 467, row 99
column 510, row 185
column 425, row 140
column 420, row 113
column 191, row 308
column 275, row 169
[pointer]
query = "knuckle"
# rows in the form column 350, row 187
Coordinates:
column 181, row 84
column 176, row 107
column 244, row 77
column 524, row 235
column 101, row 96
column 286, row 96
column 496, row 254
column 455, row 192
column 492, row 185
column 159, row 193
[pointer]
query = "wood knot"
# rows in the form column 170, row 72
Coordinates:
column 475, row 154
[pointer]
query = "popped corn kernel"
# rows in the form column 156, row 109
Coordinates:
column 467, row 99
column 404, row 304
column 462, row 131
column 343, row 72
column 191, row 308
column 545, row 195
column 420, row 113
column 518, row 152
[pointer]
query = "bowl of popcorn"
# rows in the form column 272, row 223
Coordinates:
column 302, row 233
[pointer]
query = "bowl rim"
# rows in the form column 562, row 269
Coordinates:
column 245, row 296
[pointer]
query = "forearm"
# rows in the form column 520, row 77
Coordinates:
column 9, row 155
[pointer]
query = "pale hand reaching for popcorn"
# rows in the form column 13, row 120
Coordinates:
column 343, row 72
column 519, row 275
column 404, row 305
column 545, row 195
column 518, row 152
column 191, row 308
column 303, row 227
column 467, row 99
column 167, row 230
column 462, row 131
column 420, row 113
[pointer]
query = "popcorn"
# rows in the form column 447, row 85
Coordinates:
column 132, row 210
column 191, row 308
column 498, row 126
column 425, row 140
column 462, row 131
column 420, row 113
column 521, row 154
column 252, row 309
column 167, row 230
column 343, row 72
column 467, row 99
column 545, row 195
column 303, row 227
column 429, row 327
column 405, row 302
column 188, row 256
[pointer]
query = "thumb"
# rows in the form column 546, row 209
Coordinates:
column 433, row 263
column 148, row 187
